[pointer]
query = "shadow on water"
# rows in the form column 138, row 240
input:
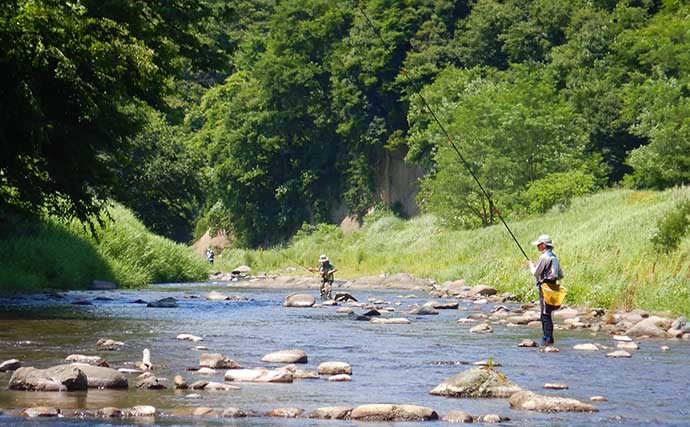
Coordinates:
column 391, row 363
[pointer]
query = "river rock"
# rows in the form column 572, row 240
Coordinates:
column 286, row 356
column 258, row 376
column 285, row 413
column 492, row 419
column 476, row 382
column 233, row 412
column 549, row 349
column 299, row 300
column 180, row 382
column 619, row 354
column 108, row 345
column 528, row 343
column 654, row 327
column 424, row 310
column 142, row 411
column 555, row 386
column 334, row 368
column 168, row 302
column 80, row 358
column 41, row 411
column 665, row 348
column 100, row 377
column 58, row 378
column 628, row 346
column 299, row 374
column 387, row 412
column 151, row 383
column 482, row 290
column 444, row 305
column 217, row 361
column 339, row 378
column 457, row 417
column 206, row 371
column 487, row 363
column 598, row 399
column 10, row 365
column 622, row 338
column 565, row 313
column 109, row 412
column 344, row 310
column 216, row 296
column 466, row 320
column 331, row 413
column 391, row 321
column 534, row 402
column 189, row 337
column 344, row 297
column 211, row 386
column 484, row 328
column 586, row 347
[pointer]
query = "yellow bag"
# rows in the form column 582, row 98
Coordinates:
column 553, row 294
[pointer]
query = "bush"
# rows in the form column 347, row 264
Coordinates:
column 671, row 227
column 558, row 189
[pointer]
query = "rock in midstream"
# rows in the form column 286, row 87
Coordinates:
column 41, row 411
column 180, row 383
column 259, row 375
column 334, row 368
column 100, row 377
column 285, row 412
column 299, row 300
column 456, row 417
column 535, row 402
column 286, row 356
column 477, row 382
column 217, row 361
column 168, row 302
column 109, row 412
column 388, row 412
column 188, row 337
column 484, row 328
column 109, row 345
column 340, row 378
column 331, row 413
column 142, row 411
column 57, row 378
column 654, row 327
column 10, row 365
column 80, row 358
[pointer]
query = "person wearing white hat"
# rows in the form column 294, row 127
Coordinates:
column 547, row 271
column 326, row 269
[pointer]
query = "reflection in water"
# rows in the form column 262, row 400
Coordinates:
column 391, row 363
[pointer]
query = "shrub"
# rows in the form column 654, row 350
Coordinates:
column 671, row 227
column 557, row 189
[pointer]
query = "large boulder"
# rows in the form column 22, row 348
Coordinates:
column 100, row 377
column 482, row 290
column 57, row 378
column 286, row 356
column 331, row 413
column 653, row 327
column 535, row 402
column 259, row 376
column 299, row 300
column 217, row 361
column 476, row 382
column 388, row 412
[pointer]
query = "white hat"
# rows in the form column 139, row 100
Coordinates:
column 323, row 258
column 545, row 239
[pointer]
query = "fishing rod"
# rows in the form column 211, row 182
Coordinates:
column 426, row 105
column 294, row 262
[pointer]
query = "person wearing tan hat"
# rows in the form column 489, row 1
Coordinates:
column 547, row 271
column 326, row 269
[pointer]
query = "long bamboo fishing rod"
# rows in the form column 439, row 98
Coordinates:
column 492, row 205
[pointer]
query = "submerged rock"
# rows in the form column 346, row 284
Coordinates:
column 534, row 402
column 41, row 411
column 476, row 382
column 58, row 378
column 484, row 328
column 340, row 378
column 286, row 356
column 457, row 417
column 299, row 300
column 168, row 302
column 391, row 321
column 388, row 412
column 586, row 347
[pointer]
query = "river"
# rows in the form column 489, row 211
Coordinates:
column 391, row 363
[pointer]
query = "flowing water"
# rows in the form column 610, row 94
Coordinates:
column 391, row 363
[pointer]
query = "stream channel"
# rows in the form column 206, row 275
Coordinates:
column 391, row 363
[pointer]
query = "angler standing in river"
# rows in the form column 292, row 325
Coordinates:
column 547, row 272
column 326, row 269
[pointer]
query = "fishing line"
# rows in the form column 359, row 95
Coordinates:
column 492, row 205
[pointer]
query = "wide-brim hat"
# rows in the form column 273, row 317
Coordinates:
column 545, row 239
column 323, row 258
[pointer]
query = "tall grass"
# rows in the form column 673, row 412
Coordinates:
column 40, row 253
column 603, row 242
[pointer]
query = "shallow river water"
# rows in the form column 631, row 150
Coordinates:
column 391, row 363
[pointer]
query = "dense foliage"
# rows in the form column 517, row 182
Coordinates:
column 259, row 116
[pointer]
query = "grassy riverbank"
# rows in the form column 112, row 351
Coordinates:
column 603, row 242
column 46, row 254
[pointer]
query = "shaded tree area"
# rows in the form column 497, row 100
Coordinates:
column 260, row 116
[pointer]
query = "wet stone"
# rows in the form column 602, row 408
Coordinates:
column 233, row 412
column 458, row 417
column 286, row 356
column 285, row 413
column 340, row 378
column 598, row 399
column 334, row 368
column 476, row 383
column 331, row 413
column 555, row 386
column 10, row 365
column 528, row 343
column 110, row 412
column 109, row 345
column 492, row 419
column 168, row 302
column 619, row 354
column 142, row 411
column 41, row 411
column 484, row 328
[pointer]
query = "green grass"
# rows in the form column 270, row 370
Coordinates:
column 40, row 254
column 603, row 242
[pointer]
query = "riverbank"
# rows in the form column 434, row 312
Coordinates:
column 603, row 242
column 43, row 253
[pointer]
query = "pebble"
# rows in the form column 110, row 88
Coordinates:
column 665, row 348
column 200, row 348
column 482, row 329
column 586, row 347
column 340, row 378
column 189, row 337
column 206, row 371
column 528, row 343
column 598, row 399
column 549, row 349
column 625, row 345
